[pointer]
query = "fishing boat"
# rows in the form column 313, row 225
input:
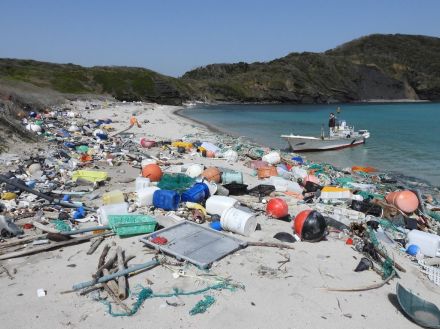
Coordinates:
column 339, row 137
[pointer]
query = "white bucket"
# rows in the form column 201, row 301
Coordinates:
column 145, row 196
column 272, row 158
column 238, row 221
column 428, row 243
column 231, row 156
column 111, row 209
column 142, row 183
column 217, row 204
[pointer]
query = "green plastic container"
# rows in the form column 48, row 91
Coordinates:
column 125, row 225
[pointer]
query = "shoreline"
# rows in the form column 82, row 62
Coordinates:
column 402, row 178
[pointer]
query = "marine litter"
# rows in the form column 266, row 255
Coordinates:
column 129, row 210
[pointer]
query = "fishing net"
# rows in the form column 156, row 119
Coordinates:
column 202, row 305
column 175, row 182
column 142, row 294
column 61, row 225
column 387, row 265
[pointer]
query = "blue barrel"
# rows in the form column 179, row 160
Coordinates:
column 167, row 200
column 232, row 177
column 198, row 193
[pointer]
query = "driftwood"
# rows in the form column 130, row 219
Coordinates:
column 95, row 244
column 122, row 280
column 270, row 244
column 18, row 242
column 371, row 287
column 51, row 246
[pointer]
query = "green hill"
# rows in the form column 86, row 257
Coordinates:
column 123, row 83
column 379, row 67
column 383, row 67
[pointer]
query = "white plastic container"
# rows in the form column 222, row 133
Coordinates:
column 145, row 196
column 142, row 183
column 298, row 172
column 231, row 156
column 272, row 158
column 428, row 243
column 238, row 221
column 284, row 185
column 111, row 209
column 217, row 204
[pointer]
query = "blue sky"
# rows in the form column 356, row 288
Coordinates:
column 172, row 36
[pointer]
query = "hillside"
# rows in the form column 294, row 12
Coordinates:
column 123, row 83
column 374, row 67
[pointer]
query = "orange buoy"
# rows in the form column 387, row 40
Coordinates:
column 363, row 169
column 210, row 154
column 212, row 174
column 406, row 201
column 277, row 208
column 266, row 172
column 153, row 172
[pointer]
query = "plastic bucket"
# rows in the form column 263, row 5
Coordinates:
column 238, row 221
column 232, row 177
column 111, row 209
column 217, row 204
column 145, row 196
column 198, row 193
column 166, row 199
column 142, row 183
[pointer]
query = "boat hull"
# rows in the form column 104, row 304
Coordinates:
column 319, row 145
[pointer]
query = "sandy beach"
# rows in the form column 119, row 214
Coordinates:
column 281, row 288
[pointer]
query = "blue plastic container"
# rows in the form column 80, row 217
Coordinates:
column 198, row 193
column 165, row 199
column 216, row 226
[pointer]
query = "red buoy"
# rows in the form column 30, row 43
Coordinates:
column 277, row 208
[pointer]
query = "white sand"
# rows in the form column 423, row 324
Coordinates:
column 294, row 297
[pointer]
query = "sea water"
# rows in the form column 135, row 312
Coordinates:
column 405, row 137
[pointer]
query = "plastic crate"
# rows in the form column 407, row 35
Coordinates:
column 124, row 225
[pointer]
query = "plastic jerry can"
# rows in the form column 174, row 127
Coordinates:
column 198, row 193
column 166, row 199
column 113, row 197
column 428, row 243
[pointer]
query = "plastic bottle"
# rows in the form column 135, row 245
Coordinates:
column 113, row 197
column 428, row 243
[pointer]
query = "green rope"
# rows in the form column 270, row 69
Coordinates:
column 387, row 265
column 202, row 305
column 147, row 293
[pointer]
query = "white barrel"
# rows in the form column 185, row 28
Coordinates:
column 428, row 243
column 272, row 158
column 238, row 221
column 216, row 204
column 145, row 196
column 111, row 209
column 142, row 183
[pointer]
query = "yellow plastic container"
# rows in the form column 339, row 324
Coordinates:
column 9, row 196
column 182, row 144
column 89, row 175
column 113, row 197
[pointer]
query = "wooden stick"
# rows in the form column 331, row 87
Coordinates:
column 396, row 265
column 18, row 242
column 112, row 285
column 126, row 260
column 107, row 265
column 371, row 287
column 89, row 290
column 95, row 244
column 52, row 246
column 270, row 244
column 115, row 298
column 122, row 280
column 44, row 228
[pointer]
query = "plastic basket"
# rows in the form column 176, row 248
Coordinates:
column 124, row 225
column 433, row 272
